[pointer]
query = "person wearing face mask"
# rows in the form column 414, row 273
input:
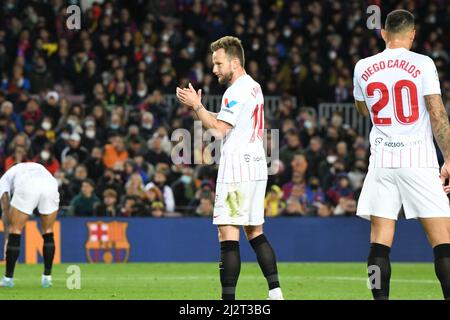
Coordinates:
column 184, row 190
column 89, row 139
column 140, row 94
column 146, row 128
column 47, row 159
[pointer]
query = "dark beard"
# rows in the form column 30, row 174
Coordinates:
column 226, row 78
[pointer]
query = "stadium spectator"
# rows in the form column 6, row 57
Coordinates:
column 19, row 155
column 7, row 109
column 48, row 159
column 184, row 190
column 83, row 203
column 109, row 205
column 315, row 155
column 205, row 207
column 115, row 155
column 294, row 206
column 157, row 209
column 342, row 196
column 160, row 181
column 51, row 107
column 80, row 175
column 75, row 149
column 274, row 203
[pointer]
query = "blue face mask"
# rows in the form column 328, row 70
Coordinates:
column 186, row 179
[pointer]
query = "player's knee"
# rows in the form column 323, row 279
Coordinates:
column 16, row 229
column 254, row 234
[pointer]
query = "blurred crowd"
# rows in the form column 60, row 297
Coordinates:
column 90, row 104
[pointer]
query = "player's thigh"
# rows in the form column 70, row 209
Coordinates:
column 17, row 220
column 257, row 193
column 49, row 197
column 48, row 221
column 382, row 230
column 25, row 198
column 379, row 196
column 422, row 193
column 437, row 230
column 231, row 206
column 228, row 232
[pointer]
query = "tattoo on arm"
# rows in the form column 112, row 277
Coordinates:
column 439, row 123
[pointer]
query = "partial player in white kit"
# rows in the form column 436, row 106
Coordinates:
column 23, row 188
column 242, row 175
column 400, row 90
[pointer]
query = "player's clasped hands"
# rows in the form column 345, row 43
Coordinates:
column 189, row 96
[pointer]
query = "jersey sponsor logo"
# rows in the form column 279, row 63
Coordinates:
column 378, row 141
column 228, row 110
column 230, row 103
column 107, row 242
column 402, row 144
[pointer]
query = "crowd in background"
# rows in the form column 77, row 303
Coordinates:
column 90, row 104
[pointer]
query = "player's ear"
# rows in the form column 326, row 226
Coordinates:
column 235, row 63
column 384, row 35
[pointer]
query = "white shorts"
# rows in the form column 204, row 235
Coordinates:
column 419, row 190
column 240, row 203
column 37, row 192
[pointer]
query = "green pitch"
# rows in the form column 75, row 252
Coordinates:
column 186, row 281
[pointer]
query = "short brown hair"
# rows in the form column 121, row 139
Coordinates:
column 110, row 193
column 232, row 46
column 399, row 21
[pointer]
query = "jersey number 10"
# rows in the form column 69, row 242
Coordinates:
column 398, row 102
column 258, row 122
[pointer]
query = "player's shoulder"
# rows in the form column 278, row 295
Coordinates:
column 242, row 87
column 367, row 61
column 421, row 58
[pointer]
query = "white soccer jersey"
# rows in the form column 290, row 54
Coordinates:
column 242, row 154
column 393, row 84
column 19, row 174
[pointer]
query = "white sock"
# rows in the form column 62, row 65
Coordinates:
column 7, row 279
column 46, row 277
column 274, row 293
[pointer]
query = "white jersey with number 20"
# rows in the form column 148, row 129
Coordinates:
column 393, row 84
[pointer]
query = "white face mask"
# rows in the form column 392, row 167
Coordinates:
column 65, row 135
column 46, row 125
column 45, row 155
column 72, row 122
column 147, row 126
column 331, row 159
column 90, row 134
column 141, row 93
